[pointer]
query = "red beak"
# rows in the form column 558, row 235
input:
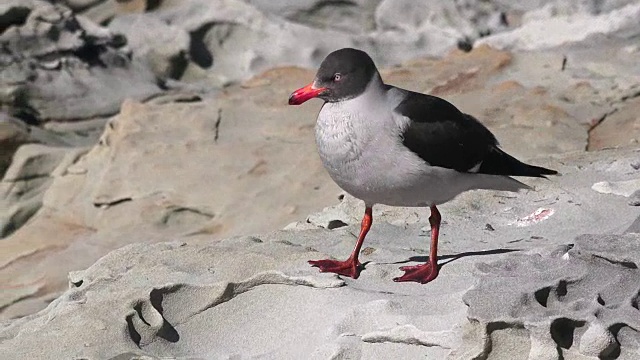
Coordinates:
column 303, row 94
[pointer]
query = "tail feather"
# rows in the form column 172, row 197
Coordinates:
column 499, row 162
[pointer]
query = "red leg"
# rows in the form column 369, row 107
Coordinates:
column 351, row 267
column 424, row 273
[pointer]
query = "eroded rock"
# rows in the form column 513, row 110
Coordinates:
column 60, row 66
column 162, row 46
column 579, row 296
column 32, row 171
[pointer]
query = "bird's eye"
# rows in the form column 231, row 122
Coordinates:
column 337, row 77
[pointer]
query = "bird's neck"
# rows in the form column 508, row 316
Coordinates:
column 375, row 91
column 373, row 95
column 348, row 121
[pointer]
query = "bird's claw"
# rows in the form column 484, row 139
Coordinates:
column 350, row 268
column 422, row 273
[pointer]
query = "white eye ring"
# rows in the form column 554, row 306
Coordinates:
column 337, row 77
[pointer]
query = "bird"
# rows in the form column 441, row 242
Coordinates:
column 386, row 145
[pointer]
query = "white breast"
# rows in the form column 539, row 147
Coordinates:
column 339, row 135
column 360, row 146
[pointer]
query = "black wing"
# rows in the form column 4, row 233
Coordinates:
column 444, row 136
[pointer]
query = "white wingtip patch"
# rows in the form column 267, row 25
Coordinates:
column 475, row 168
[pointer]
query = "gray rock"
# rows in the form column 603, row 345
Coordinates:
column 634, row 228
column 622, row 188
column 81, row 133
column 145, row 308
column 356, row 17
column 78, row 5
column 13, row 133
column 164, row 47
column 22, row 188
column 620, row 128
column 598, row 341
column 571, row 22
column 157, row 300
column 415, row 17
column 634, row 199
column 563, row 8
column 233, row 40
column 582, row 293
column 103, row 11
column 59, row 66
column 332, row 218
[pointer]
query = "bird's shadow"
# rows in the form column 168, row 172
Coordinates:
column 457, row 256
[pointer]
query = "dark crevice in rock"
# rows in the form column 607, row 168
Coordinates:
column 179, row 64
column 155, row 297
column 635, row 301
column 319, row 9
column 562, row 331
column 336, row 224
column 465, row 44
column 504, row 19
column 153, row 4
column 326, row 4
column 166, row 331
column 217, row 126
column 561, row 289
column 615, row 350
column 630, row 96
column 28, row 178
column 9, row 229
column 178, row 213
column 502, row 325
column 164, row 98
column 600, row 300
column 189, row 99
column 21, row 109
column 112, row 202
column 15, row 16
column 484, row 33
column 233, row 289
column 626, row 264
column 491, row 327
column 162, row 84
column 133, row 333
column 93, row 48
column 198, row 50
column 594, row 125
column 230, row 292
column 542, row 296
column 138, row 308
column 597, row 123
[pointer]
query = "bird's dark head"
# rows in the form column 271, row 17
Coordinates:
column 343, row 74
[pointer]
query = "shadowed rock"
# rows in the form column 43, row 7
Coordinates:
column 59, row 66
column 567, row 300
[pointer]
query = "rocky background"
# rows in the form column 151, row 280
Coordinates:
column 141, row 122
